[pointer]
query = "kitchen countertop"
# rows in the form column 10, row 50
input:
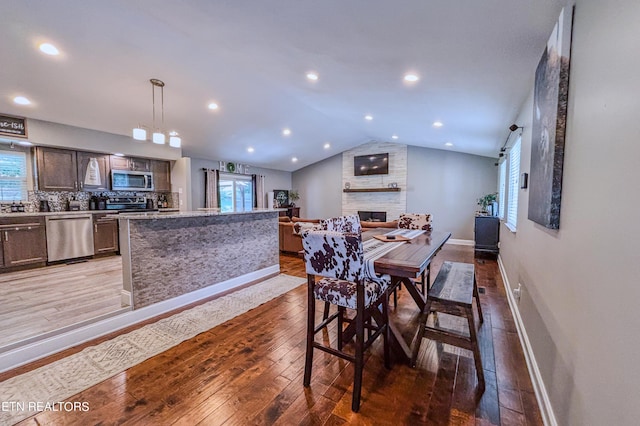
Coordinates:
column 80, row 212
column 198, row 213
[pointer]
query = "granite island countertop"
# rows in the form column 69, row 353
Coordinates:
column 78, row 212
column 195, row 213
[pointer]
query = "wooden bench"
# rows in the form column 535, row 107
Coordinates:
column 452, row 293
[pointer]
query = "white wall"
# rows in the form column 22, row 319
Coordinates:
column 447, row 185
column 274, row 179
column 443, row 183
column 320, row 187
column 581, row 295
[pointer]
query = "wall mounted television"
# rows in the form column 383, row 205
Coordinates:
column 374, row 164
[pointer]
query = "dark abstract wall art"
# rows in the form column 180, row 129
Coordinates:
column 549, row 123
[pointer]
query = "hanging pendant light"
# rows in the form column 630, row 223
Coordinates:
column 158, row 136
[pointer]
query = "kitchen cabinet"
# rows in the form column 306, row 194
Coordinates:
column 130, row 163
column 487, row 234
column 161, row 175
column 105, row 233
column 23, row 241
column 57, row 169
column 104, row 169
column 65, row 170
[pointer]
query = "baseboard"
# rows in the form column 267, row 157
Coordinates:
column 546, row 410
column 458, row 242
column 41, row 348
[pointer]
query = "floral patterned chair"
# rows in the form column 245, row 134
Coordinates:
column 422, row 222
column 338, row 258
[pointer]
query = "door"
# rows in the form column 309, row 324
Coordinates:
column 57, row 169
column 119, row 163
column 105, row 237
column 139, row 164
column 95, row 177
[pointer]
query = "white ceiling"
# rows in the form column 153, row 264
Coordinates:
column 476, row 61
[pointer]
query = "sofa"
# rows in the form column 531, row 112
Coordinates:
column 291, row 242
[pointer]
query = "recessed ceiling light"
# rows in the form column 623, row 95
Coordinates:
column 449, row 144
column 49, row 49
column 118, row 154
column 25, row 143
column 213, row 105
column 437, row 124
column 411, row 77
column 294, row 159
column 250, row 149
column 327, row 145
column 368, row 117
column 312, row 76
column 21, row 100
column 286, row 132
column 394, row 137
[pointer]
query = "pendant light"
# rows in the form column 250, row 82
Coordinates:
column 158, row 136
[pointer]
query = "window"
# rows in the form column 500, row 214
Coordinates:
column 236, row 192
column 13, row 175
column 502, row 190
column 514, row 185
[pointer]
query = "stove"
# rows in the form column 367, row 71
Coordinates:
column 129, row 204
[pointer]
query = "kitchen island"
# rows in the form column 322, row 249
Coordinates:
column 167, row 255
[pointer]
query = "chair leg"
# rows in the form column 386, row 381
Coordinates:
column 325, row 314
column 340, row 323
column 311, row 312
column 386, row 336
column 476, row 347
column 477, row 295
column 359, row 360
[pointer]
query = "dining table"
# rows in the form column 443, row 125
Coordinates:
column 405, row 262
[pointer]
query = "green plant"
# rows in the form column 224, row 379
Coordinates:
column 484, row 201
column 294, row 195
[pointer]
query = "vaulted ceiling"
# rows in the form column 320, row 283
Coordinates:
column 475, row 62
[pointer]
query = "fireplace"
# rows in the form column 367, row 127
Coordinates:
column 366, row 216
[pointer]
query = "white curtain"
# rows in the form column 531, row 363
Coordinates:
column 211, row 182
column 260, row 194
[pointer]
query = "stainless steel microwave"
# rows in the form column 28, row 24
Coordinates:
column 127, row 180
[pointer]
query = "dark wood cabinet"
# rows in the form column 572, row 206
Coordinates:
column 57, row 169
column 105, row 233
column 104, row 169
column 291, row 212
column 161, row 175
column 487, row 234
column 130, row 163
column 23, row 241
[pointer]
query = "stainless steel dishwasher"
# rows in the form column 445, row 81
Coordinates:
column 69, row 236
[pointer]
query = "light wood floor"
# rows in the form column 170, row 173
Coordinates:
column 39, row 301
column 249, row 371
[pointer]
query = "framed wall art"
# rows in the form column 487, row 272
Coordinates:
column 550, row 96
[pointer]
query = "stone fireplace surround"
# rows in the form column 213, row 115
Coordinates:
column 393, row 203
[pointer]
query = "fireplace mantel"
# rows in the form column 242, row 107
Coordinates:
column 371, row 190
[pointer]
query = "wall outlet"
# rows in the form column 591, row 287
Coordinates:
column 517, row 292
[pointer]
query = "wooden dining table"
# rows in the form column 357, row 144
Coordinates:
column 405, row 263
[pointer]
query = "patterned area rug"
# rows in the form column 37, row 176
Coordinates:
column 48, row 386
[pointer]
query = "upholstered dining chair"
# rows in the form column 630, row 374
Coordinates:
column 415, row 221
column 338, row 259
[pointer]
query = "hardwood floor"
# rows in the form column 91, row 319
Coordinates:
column 249, row 371
column 39, row 301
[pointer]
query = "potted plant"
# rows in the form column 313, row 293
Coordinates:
column 488, row 201
column 293, row 197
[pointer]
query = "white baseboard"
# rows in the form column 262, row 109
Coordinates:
column 41, row 348
column 546, row 410
column 458, row 242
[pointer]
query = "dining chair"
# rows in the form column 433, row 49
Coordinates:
column 338, row 258
column 417, row 221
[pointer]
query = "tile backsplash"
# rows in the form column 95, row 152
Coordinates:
column 59, row 201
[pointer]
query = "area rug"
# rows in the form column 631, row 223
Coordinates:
column 48, row 386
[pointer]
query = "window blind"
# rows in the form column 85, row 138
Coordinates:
column 514, row 179
column 502, row 193
column 13, row 176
